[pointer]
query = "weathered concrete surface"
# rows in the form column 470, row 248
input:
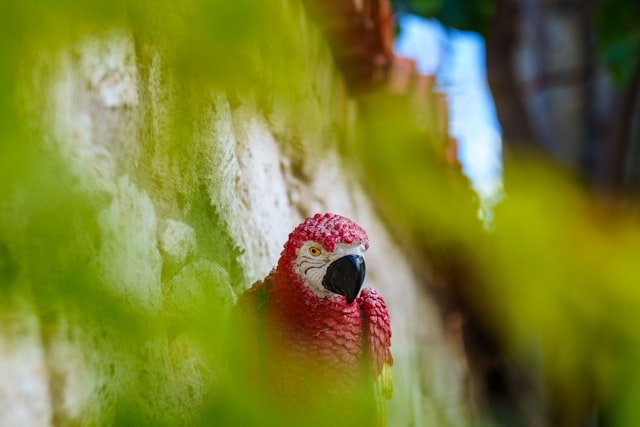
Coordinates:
column 24, row 384
column 190, row 193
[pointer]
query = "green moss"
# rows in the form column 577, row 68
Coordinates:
column 79, row 223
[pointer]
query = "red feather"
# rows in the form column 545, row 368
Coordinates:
column 378, row 331
column 317, row 351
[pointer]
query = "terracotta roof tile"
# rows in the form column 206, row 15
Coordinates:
column 360, row 33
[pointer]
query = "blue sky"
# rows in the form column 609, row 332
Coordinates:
column 457, row 59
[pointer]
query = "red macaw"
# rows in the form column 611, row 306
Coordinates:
column 322, row 346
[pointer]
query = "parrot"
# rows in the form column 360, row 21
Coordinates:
column 321, row 344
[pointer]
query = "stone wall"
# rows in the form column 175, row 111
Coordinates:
column 149, row 197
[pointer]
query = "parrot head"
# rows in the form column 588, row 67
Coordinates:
column 326, row 252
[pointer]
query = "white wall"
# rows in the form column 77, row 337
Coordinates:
column 190, row 191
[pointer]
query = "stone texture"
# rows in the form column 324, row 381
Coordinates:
column 24, row 378
column 177, row 242
column 193, row 190
column 129, row 259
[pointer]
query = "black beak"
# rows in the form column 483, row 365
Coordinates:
column 345, row 276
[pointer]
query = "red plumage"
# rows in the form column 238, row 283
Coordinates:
column 316, row 352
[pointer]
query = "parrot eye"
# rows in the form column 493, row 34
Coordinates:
column 314, row 251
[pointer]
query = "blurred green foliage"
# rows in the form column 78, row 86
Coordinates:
column 556, row 276
column 143, row 338
column 554, row 279
column 618, row 38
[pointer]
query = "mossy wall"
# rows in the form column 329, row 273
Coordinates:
column 155, row 161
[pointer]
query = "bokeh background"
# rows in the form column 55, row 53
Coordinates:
column 154, row 156
column 542, row 285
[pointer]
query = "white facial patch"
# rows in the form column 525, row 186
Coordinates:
column 312, row 261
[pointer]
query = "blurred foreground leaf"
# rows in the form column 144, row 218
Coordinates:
column 555, row 279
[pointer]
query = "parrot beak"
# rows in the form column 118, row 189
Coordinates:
column 345, row 276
